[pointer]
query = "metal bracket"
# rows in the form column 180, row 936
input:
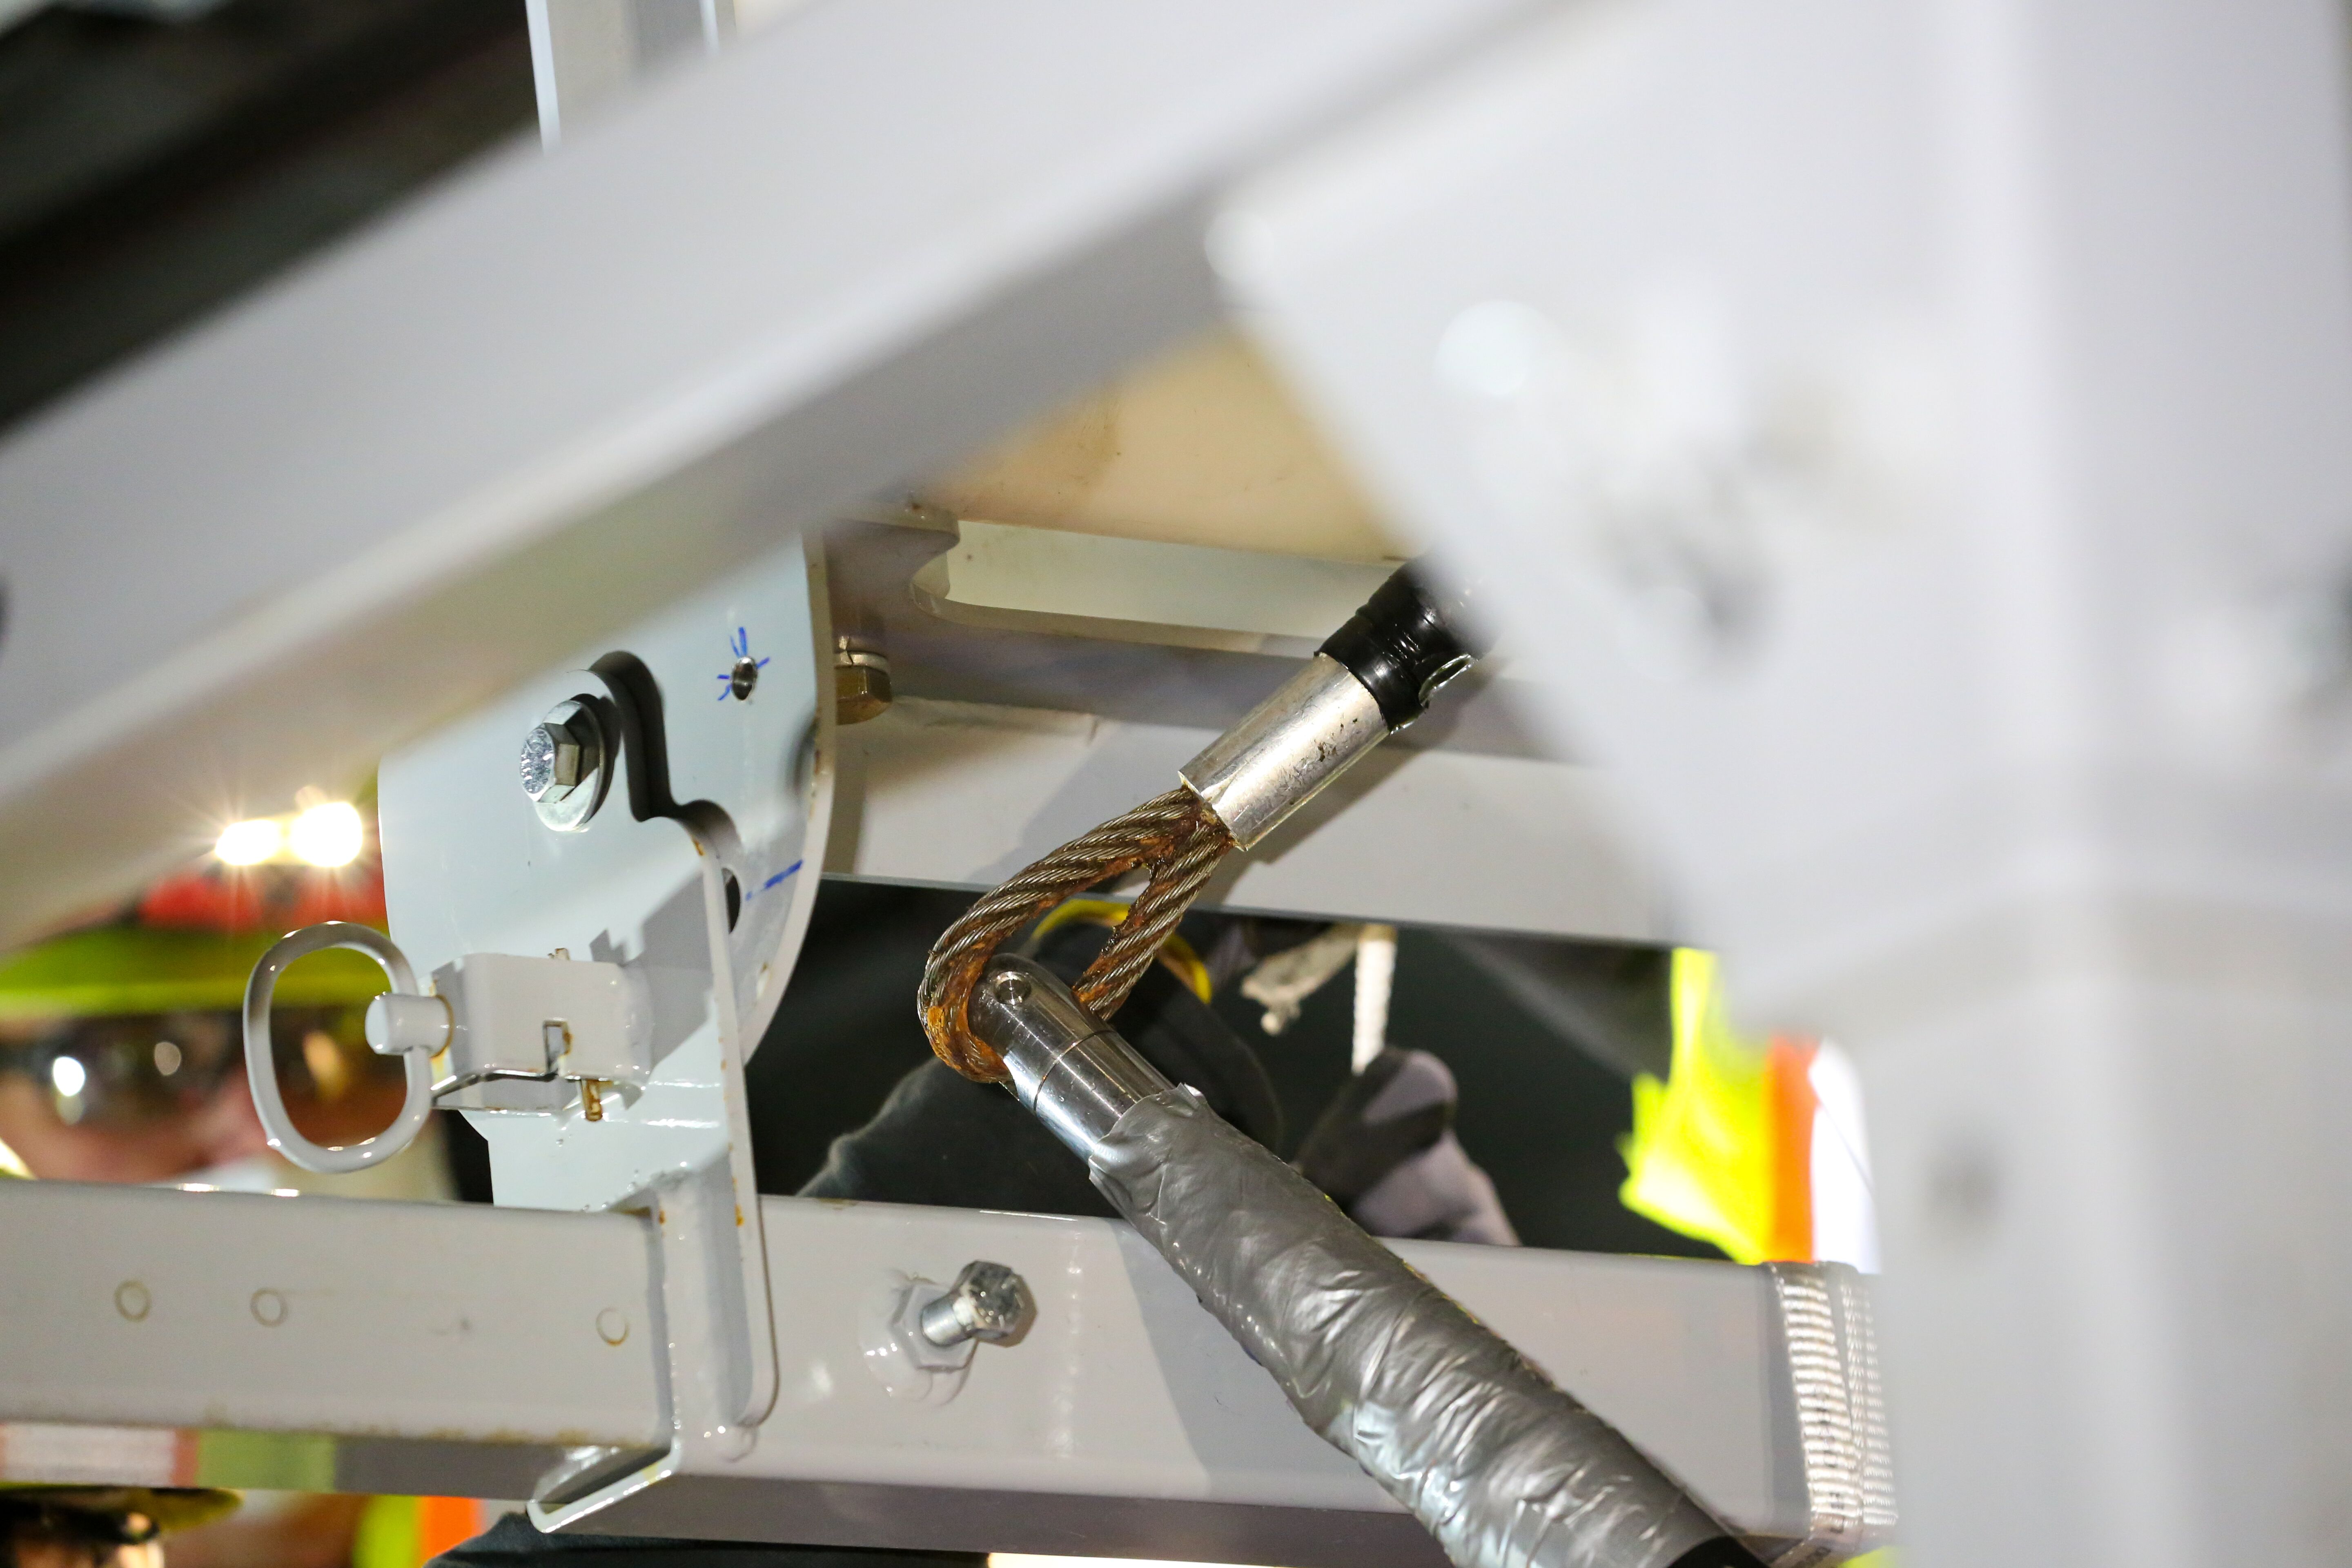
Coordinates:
column 687, row 880
column 712, row 1273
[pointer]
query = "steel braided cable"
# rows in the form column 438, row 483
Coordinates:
column 1175, row 835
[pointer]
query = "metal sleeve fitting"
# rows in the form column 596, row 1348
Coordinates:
column 1493, row 1459
column 1371, row 678
column 1067, row 1067
column 1308, row 733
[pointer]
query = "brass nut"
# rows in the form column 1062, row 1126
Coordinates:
column 860, row 691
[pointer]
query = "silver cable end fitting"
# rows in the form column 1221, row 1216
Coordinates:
column 1309, row 731
column 1069, row 1068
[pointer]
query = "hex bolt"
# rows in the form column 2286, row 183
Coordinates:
column 558, row 755
column 558, row 767
column 987, row 1301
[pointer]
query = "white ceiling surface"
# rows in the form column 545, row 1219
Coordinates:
column 561, row 391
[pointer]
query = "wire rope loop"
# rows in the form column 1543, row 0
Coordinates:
column 1175, row 836
column 261, row 1065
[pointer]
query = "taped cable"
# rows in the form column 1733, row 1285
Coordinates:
column 1504, row 1467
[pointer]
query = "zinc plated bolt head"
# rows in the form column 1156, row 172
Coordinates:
column 562, row 759
column 987, row 1301
column 551, row 762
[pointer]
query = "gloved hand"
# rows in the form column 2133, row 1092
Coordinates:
column 1385, row 1151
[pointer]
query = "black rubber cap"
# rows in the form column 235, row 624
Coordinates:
column 1723, row 1551
column 1403, row 645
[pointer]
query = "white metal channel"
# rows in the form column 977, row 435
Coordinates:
column 438, row 1343
column 141, row 1306
column 965, row 794
column 562, row 391
column 1126, row 1421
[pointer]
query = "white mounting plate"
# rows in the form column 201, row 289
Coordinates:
column 469, row 867
column 699, row 871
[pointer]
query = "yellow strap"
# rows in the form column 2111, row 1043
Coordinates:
column 1175, row 953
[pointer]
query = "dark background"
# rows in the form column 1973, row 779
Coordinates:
column 1540, row 1115
column 150, row 172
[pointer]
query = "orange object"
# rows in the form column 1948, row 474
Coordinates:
column 443, row 1522
column 1788, row 1105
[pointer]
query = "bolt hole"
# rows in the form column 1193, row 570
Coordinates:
column 734, row 899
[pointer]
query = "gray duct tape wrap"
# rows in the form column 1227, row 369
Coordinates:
column 1502, row 1466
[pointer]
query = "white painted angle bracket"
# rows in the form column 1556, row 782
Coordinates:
column 717, row 1360
column 672, row 786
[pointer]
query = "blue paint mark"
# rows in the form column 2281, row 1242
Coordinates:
column 740, row 645
column 780, row 876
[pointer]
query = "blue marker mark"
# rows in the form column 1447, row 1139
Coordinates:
column 780, row 876
column 738, row 681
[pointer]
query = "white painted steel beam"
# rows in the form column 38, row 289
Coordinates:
column 965, row 795
column 460, row 1350
column 562, row 391
column 147, row 1307
column 1129, row 1422
column 82, row 1453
